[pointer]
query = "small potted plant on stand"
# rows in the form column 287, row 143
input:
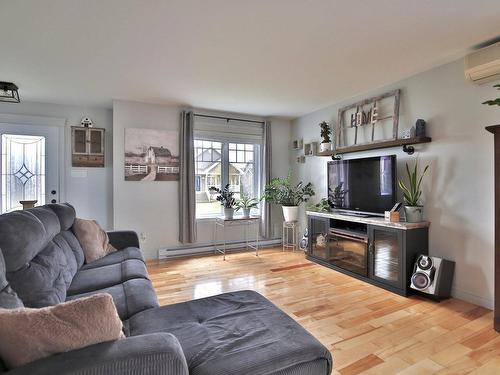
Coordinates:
column 246, row 203
column 326, row 143
column 412, row 193
column 226, row 199
column 281, row 191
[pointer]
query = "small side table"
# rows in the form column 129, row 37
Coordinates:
column 290, row 242
column 223, row 223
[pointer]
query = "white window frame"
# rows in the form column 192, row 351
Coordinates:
column 225, row 140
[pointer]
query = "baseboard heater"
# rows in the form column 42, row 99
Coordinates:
column 206, row 248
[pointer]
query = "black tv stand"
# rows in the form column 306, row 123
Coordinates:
column 367, row 248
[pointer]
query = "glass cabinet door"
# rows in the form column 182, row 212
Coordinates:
column 96, row 138
column 386, row 256
column 79, row 141
column 318, row 238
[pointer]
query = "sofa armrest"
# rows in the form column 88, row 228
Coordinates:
column 154, row 354
column 120, row 239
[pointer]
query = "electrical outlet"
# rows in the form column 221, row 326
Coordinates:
column 143, row 237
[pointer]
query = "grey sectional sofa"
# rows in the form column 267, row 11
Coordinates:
column 232, row 333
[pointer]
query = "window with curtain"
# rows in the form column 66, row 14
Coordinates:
column 226, row 152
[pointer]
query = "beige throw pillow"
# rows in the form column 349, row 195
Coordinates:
column 30, row 334
column 94, row 240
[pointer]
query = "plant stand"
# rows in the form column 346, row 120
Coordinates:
column 223, row 223
column 290, row 242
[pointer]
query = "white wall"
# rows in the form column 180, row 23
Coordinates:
column 152, row 208
column 458, row 191
column 92, row 195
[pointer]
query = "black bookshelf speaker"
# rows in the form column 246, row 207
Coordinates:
column 433, row 276
column 304, row 241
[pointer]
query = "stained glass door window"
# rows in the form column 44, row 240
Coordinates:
column 22, row 170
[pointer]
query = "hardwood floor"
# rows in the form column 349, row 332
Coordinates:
column 367, row 329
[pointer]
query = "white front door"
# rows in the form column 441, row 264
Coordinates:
column 29, row 168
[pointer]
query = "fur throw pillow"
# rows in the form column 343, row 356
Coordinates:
column 30, row 334
column 94, row 240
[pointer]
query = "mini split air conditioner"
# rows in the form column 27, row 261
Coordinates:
column 483, row 65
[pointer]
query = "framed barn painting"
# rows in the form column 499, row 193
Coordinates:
column 151, row 155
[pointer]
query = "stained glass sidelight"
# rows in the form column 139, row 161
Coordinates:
column 22, row 170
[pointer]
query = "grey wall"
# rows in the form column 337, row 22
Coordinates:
column 151, row 208
column 90, row 190
column 458, row 191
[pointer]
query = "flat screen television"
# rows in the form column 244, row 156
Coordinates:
column 363, row 186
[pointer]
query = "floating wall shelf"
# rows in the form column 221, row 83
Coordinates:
column 379, row 145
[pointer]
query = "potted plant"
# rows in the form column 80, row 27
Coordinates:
column 412, row 193
column 326, row 143
column 493, row 101
column 281, row 191
column 246, row 203
column 226, row 199
column 322, row 206
column 336, row 196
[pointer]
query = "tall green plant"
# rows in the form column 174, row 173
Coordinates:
column 412, row 191
column 282, row 192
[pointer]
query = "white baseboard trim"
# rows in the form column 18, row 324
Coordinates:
column 198, row 249
column 472, row 298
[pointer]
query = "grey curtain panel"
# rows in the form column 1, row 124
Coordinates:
column 265, row 222
column 187, row 214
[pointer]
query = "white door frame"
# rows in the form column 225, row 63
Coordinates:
column 13, row 119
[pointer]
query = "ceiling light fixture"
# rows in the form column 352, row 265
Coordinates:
column 9, row 92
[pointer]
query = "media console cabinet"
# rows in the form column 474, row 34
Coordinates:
column 368, row 248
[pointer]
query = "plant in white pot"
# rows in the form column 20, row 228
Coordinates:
column 326, row 143
column 281, row 191
column 226, row 199
column 412, row 193
column 246, row 203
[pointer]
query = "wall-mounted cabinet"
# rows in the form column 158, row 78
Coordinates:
column 87, row 147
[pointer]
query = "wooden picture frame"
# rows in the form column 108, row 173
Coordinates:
column 365, row 119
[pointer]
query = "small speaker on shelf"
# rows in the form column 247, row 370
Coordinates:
column 304, row 241
column 420, row 128
column 433, row 276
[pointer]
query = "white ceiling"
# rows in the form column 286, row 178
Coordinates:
column 263, row 57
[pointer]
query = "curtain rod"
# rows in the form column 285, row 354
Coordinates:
column 228, row 118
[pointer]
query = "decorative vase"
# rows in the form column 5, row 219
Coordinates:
column 228, row 213
column 246, row 212
column 325, row 147
column 414, row 214
column 291, row 213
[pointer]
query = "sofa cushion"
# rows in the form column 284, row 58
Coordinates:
column 116, row 257
column 130, row 297
column 8, row 298
column 88, row 280
column 233, row 333
column 41, row 253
